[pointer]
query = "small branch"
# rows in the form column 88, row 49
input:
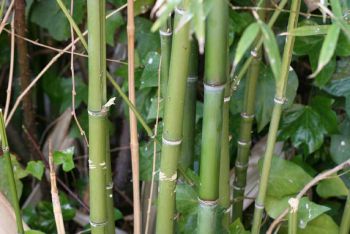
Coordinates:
column 54, row 195
column 7, row 15
column 309, row 185
column 12, row 58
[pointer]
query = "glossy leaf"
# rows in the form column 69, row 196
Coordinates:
column 303, row 125
column 118, row 214
column 187, row 206
column 286, row 178
column 323, row 106
column 149, row 77
column 340, row 148
column 64, row 158
column 323, row 224
column 271, row 48
column 332, row 187
column 307, row 210
column 112, row 24
column 328, row 48
column 247, row 39
column 36, row 169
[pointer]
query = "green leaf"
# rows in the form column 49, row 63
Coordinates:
column 340, row 148
column 323, row 106
column 237, row 228
column 166, row 11
column 271, row 48
column 149, row 77
column 303, row 125
column 247, row 39
column 146, row 41
column 146, row 159
column 187, row 206
column 18, row 172
column 332, row 187
column 198, row 21
column 286, row 178
column 307, row 210
column 118, row 215
column 36, row 169
column 309, row 30
column 323, row 224
column 48, row 15
column 64, row 158
column 113, row 23
column 142, row 6
column 328, row 48
column 33, row 232
column 325, row 75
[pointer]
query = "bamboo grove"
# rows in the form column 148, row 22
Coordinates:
column 247, row 124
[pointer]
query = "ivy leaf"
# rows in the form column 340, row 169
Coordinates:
column 118, row 215
column 286, row 178
column 114, row 22
column 36, row 169
column 307, row 210
column 48, row 15
column 323, row 106
column 332, row 187
column 340, row 148
column 64, row 158
column 187, row 206
column 149, row 77
column 323, row 224
column 303, row 125
column 146, row 41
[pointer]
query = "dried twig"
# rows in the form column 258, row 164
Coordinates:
column 7, row 15
column 54, row 195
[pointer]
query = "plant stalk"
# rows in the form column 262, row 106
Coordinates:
column 97, row 118
column 245, row 134
column 173, row 121
column 165, row 47
column 345, row 221
column 293, row 216
column 10, row 176
column 189, row 121
column 279, row 99
column 214, row 84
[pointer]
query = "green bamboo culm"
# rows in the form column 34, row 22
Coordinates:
column 189, row 119
column 224, row 183
column 293, row 216
column 165, row 48
column 345, row 221
column 110, row 228
column 276, row 116
column 214, row 84
column 173, row 121
column 97, row 118
column 10, row 176
column 245, row 133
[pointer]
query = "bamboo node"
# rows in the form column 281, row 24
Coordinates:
column 244, row 143
column 93, row 224
column 237, row 188
column 179, row 11
column 241, row 165
column 163, row 177
column 245, row 115
column 165, row 33
column 101, row 113
column 170, row 142
column 294, row 203
column 259, row 206
column 227, row 99
column 280, row 101
column 192, row 79
column 214, row 88
column 5, row 149
column 109, row 186
column 207, row 202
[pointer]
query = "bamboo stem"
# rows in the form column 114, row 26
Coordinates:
column 345, row 221
column 10, row 176
column 245, row 133
column 215, row 80
column 165, row 47
column 293, row 218
column 276, row 116
column 189, row 121
column 173, row 121
column 134, row 144
column 97, row 119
